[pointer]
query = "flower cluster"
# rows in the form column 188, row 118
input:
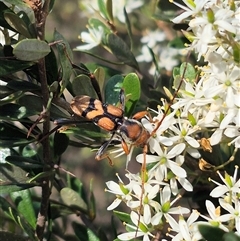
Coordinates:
column 208, row 105
column 204, row 112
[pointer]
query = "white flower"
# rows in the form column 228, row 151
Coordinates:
column 183, row 131
column 233, row 210
column 155, row 140
column 117, row 7
column 231, row 184
column 191, row 97
column 216, row 137
column 149, row 193
column 182, row 180
column 192, row 9
column 122, row 192
column 233, row 131
column 163, row 162
column 186, row 230
column 152, row 38
column 166, row 208
column 167, row 58
column 215, row 218
column 224, row 85
column 130, row 6
column 93, row 38
column 145, row 55
column 140, row 229
column 144, row 194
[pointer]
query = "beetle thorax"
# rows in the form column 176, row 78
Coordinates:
column 132, row 131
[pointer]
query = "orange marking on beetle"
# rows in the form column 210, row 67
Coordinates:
column 87, row 107
column 113, row 110
column 106, row 123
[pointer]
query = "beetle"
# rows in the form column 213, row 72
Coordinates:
column 111, row 118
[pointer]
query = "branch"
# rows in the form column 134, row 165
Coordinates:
column 41, row 13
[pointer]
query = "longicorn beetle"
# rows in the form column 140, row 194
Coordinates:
column 111, row 118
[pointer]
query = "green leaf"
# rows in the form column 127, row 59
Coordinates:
column 124, row 217
column 129, row 29
column 102, row 8
column 72, row 199
column 17, row 23
column 211, row 233
column 176, row 71
column 96, row 23
column 32, row 102
column 61, row 141
column 13, row 178
column 51, row 4
column 65, row 56
column 92, row 203
column 84, row 233
column 120, row 49
column 9, row 188
column 19, row 219
column 75, row 184
column 5, row 92
column 41, row 175
column 35, row 103
column 23, row 201
column 188, row 72
column 17, row 3
column 23, row 85
column 177, row 43
column 131, row 86
column 11, row 136
column 82, row 86
column 51, row 67
column 14, row 112
column 112, row 89
column 236, row 52
column 3, row 22
column 109, row 9
column 192, row 119
column 12, row 66
column 23, row 162
column 31, row 153
column 231, row 236
column 100, row 76
column 31, row 49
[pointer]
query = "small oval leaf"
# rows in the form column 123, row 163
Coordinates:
column 61, row 141
column 82, row 85
column 17, row 23
column 131, row 86
column 120, row 49
column 31, row 49
column 24, row 205
column 12, row 66
column 112, row 89
column 14, row 112
column 72, row 198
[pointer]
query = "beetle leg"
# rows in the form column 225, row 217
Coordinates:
column 125, row 147
column 101, row 151
column 122, row 99
column 139, row 115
